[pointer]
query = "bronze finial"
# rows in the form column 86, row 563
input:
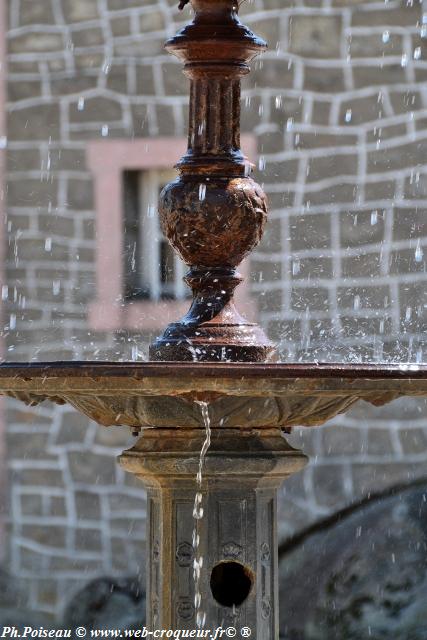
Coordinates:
column 214, row 214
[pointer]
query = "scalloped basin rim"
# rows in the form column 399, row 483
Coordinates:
column 246, row 396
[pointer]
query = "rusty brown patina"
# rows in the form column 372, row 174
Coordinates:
column 214, row 213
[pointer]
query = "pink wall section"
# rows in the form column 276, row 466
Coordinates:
column 107, row 160
column 3, row 470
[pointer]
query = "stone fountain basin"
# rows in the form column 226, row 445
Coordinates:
column 240, row 395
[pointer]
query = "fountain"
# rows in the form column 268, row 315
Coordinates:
column 212, row 404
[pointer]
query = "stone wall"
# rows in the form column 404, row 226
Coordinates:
column 339, row 107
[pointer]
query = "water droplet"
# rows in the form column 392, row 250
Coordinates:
column 417, row 53
column 296, row 267
column 202, row 192
column 279, row 101
column 56, row 287
column 151, row 210
column 374, row 217
column 356, row 303
column 348, row 115
column 404, row 60
column 12, row 321
column 289, row 124
column 81, row 103
column 386, row 37
column 261, row 163
column 4, row 292
column 104, row 131
column 48, row 244
column 419, row 253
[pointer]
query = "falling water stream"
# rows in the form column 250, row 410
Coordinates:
column 198, row 515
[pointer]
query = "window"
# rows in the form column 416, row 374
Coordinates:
column 138, row 276
column 153, row 271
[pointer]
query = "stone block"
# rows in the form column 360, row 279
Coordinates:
column 361, row 110
column 45, row 535
column 413, row 441
column 311, row 231
column 151, row 21
column 120, row 26
column 75, row 84
column 173, row 80
column 40, row 122
column 329, row 485
column 342, row 441
column 57, row 506
column 56, row 225
column 373, row 46
column 89, row 37
column 313, row 298
column 123, row 504
column 286, row 170
column 321, row 112
column 91, row 468
column 32, row 13
column 325, row 80
column 80, row 10
column 321, row 332
column 379, row 133
column 284, row 330
column 362, row 227
column 145, row 80
column 165, row 120
column 378, row 75
column 18, row 90
column 31, row 504
column 139, row 48
column 330, row 166
column 314, row 268
column 379, row 442
column 271, row 73
column 73, row 428
column 32, row 193
column 272, row 240
column 88, row 539
column 397, row 157
column 268, row 301
column 118, row 437
column 316, row 140
column 403, row 101
column 409, row 223
column 315, row 36
column 21, row 447
column 23, row 160
column 47, row 592
column 407, row 260
column 88, row 60
column 117, row 79
column 405, row 16
column 36, row 42
column 341, row 193
column 88, row 506
column 373, row 297
column 381, row 190
column 80, row 194
column 367, row 265
column 111, row 111
column 35, row 249
column 67, row 159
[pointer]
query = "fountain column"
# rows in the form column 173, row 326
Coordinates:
column 238, row 541
column 214, row 213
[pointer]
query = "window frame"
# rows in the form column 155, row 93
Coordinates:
column 108, row 160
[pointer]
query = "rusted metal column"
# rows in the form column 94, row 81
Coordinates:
column 214, row 213
column 238, row 544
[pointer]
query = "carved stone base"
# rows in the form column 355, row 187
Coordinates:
column 238, row 544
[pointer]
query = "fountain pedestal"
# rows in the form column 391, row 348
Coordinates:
column 238, row 539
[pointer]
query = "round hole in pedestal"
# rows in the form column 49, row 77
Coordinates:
column 231, row 583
